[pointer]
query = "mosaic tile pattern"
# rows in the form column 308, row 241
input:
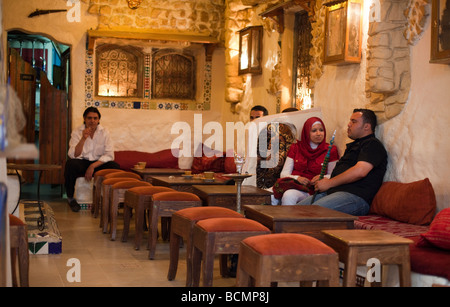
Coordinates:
column 145, row 103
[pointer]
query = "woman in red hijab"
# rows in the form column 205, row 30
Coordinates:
column 304, row 160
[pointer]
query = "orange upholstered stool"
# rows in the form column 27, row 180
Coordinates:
column 117, row 196
column 286, row 257
column 105, row 194
column 182, row 224
column 96, row 188
column 139, row 199
column 19, row 249
column 123, row 174
column 164, row 205
column 219, row 236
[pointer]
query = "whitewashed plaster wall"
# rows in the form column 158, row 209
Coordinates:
column 416, row 139
column 144, row 130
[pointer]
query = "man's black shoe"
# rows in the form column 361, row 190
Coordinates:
column 73, row 204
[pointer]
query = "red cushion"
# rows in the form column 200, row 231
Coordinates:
column 383, row 223
column 175, row 196
column 229, row 165
column 413, row 203
column 203, row 213
column 149, row 190
column 206, row 159
column 161, row 159
column 15, row 221
column 439, row 233
column 287, row 244
column 231, row 225
column 429, row 260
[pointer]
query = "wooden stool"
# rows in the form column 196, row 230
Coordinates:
column 164, row 205
column 219, row 236
column 19, row 249
column 106, row 188
column 182, row 224
column 355, row 247
column 286, row 257
column 117, row 196
column 139, row 199
column 96, row 188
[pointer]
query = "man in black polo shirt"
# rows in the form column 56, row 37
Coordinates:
column 359, row 173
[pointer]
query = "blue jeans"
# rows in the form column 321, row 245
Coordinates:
column 340, row 201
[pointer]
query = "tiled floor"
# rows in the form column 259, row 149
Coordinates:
column 103, row 262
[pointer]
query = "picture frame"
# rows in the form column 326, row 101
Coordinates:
column 250, row 50
column 343, row 28
column 440, row 32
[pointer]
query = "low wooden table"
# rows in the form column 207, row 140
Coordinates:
column 39, row 168
column 225, row 195
column 305, row 219
column 183, row 184
column 147, row 174
column 355, row 247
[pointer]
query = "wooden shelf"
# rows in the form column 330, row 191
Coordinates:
column 147, row 35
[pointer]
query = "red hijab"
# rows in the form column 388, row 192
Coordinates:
column 308, row 161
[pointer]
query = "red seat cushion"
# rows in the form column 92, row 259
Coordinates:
column 162, row 159
column 383, row 223
column 231, row 225
column 429, row 260
column 203, row 213
column 175, row 196
column 287, row 244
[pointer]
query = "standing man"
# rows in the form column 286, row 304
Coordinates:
column 359, row 173
column 257, row 112
column 90, row 149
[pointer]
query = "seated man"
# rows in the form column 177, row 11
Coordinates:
column 359, row 173
column 90, row 150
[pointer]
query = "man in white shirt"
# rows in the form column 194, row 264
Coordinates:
column 90, row 150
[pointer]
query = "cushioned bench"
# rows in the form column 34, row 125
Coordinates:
column 407, row 210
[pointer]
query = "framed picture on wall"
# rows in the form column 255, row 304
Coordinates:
column 250, row 49
column 440, row 32
column 343, row 33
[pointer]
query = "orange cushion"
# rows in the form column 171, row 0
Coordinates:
column 439, row 233
column 111, row 181
column 123, row 174
column 413, row 203
column 15, row 221
column 287, row 244
column 129, row 184
column 176, row 196
column 231, row 225
column 149, row 190
column 203, row 213
column 107, row 171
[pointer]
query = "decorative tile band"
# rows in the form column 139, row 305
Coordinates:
column 145, row 103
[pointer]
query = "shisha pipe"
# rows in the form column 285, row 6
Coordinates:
column 324, row 164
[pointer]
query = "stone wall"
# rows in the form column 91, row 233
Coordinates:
column 199, row 16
